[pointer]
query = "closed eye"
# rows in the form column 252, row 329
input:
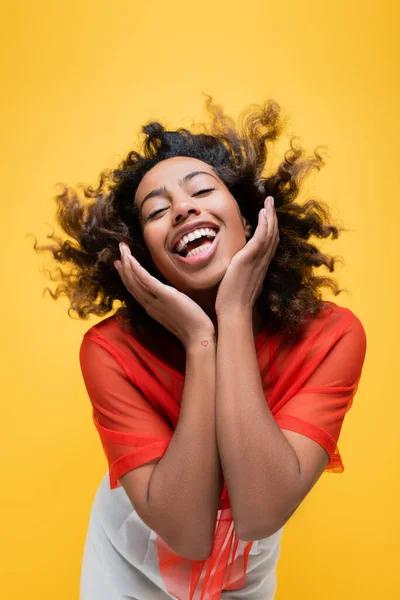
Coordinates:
column 204, row 191
column 199, row 193
column 155, row 212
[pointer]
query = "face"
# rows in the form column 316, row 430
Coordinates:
column 191, row 223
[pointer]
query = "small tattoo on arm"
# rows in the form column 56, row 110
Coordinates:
column 204, row 343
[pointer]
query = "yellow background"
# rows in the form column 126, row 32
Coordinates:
column 78, row 80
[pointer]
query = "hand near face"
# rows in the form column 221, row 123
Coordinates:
column 174, row 310
column 244, row 278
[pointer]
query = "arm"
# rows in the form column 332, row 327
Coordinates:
column 267, row 475
column 185, row 487
column 180, row 502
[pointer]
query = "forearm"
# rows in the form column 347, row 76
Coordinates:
column 187, row 482
column 257, row 461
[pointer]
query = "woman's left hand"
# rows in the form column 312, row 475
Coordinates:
column 244, row 278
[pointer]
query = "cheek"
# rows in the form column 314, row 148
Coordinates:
column 235, row 232
column 155, row 242
column 227, row 210
column 152, row 242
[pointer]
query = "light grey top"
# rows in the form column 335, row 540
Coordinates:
column 120, row 559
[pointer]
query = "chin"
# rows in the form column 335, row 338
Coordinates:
column 202, row 283
column 197, row 280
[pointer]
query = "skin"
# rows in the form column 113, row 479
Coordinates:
column 179, row 204
column 279, row 466
column 182, row 204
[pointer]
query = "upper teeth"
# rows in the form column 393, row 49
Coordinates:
column 194, row 235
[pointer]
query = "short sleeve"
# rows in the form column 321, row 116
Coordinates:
column 131, row 431
column 318, row 409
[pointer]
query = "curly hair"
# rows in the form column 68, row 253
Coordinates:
column 97, row 219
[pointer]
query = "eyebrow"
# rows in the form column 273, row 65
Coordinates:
column 162, row 191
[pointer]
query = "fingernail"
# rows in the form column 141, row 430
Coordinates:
column 271, row 200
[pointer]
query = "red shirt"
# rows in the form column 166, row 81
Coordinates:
column 309, row 383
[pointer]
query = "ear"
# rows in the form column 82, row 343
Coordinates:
column 248, row 230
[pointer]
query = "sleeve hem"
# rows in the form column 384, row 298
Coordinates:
column 135, row 459
column 318, row 435
column 123, row 438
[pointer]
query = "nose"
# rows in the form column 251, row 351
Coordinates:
column 182, row 207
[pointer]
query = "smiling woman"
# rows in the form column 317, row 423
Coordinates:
column 187, row 190
column 238, row 156
column 220, row 386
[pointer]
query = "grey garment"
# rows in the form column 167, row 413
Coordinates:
column 120, row 560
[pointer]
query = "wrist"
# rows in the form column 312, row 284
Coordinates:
column 201, row 342
column 235, row 317
column 235, row 328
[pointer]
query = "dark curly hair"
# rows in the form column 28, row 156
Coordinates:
column 98, row 218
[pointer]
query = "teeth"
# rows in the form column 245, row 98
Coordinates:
column 199, row 250
column 194, row 235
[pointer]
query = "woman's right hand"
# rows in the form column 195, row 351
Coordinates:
column 174, row 310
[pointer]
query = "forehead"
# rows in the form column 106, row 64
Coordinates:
column 169, row 171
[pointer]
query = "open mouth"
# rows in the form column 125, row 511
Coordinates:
column 196, row 242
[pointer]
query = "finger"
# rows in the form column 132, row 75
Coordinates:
column 126, row 256
column 273, row 218
column 147, row 282
column 151, row 283
column 275, row 225
column 132, row 282
column 129, row 264
column 274, row 240
column 265, row 227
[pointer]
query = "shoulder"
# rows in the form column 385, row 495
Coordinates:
column 113, row 330
column 342, row 341
column 111, row 337
column 333, row 345
column 343, row 321
column 334, row 327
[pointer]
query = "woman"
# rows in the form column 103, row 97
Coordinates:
column 220, row 386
